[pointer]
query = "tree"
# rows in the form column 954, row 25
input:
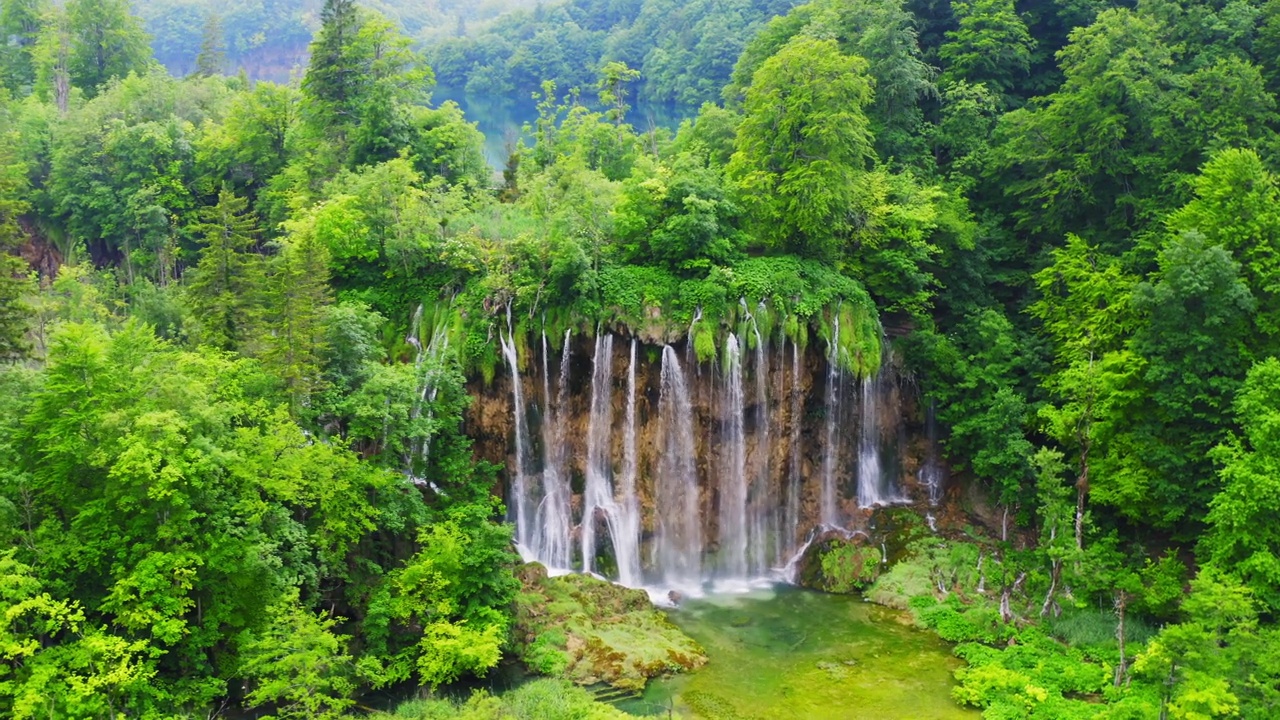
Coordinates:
column 213, row 48
column 991, row 46
column 1085, row 310
column 332, row 78
column 1237, row 206
column 1242, row 536
column 297, row 294
column 224, row 290
column 298, row 665
column 52, row 59
column 20, row 22
column 612, row 85
column 15, row 283
column 802, row 145
column 1171, row 398
column 107, row 41
column 361, row 82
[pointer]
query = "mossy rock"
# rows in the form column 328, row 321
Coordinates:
column 837, row 564
column 591, row 631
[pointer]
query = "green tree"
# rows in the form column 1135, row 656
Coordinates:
column 223, row 292
column 1237, row 206
column 1085, row 309
column 107, row 41
column 803, row 143
column 361, row 82
column 213, row 48
column 15, row 284
column 20, row 22
column 1242, row 536
column 297, row 294
column 612, row 85
column 991, row 46
column 1171, row 400
column 298, row 665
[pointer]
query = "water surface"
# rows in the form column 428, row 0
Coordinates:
column 788, row 653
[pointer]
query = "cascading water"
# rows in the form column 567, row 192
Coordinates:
column 626, row 541
column 597, row 498
column 828, row 513
column 733, row 468
column 932, row 474
column 743, row 502
column 427, row 364
column 677, row 548
column 553, row 520
column 877, row 425
column 525, row 505
column 870, row 483
column 761, row 502
column 792, row 521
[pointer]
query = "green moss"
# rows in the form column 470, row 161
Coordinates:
column 849, row 568
column 591, row 631
column 786, row 295
column 704, row 341
column 837, row 565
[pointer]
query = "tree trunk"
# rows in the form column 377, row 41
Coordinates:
column 1122, row 604
column 1082, row 490
column 1049, row 602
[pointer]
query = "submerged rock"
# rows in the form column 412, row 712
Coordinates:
column 591, row 631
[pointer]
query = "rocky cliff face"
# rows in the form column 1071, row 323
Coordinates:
column 778, row 445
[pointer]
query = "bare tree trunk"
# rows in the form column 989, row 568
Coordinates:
column 1082, row 490
column 1122, row 605
column 1006, row 597
column 1050, row 602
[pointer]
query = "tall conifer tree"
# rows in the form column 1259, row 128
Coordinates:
column 226, row 286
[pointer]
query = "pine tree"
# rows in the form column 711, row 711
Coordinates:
column 298, row 293
column 213, row 48
column 225, row 290
column 332, row 77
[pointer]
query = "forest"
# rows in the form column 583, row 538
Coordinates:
column 249, row 332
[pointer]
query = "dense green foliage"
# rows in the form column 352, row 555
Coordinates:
column 238, row 319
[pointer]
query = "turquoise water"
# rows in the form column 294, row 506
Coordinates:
column 788, row 653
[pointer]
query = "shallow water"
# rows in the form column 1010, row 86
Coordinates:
column 788, row 653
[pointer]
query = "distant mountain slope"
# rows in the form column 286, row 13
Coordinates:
column 269, row 38
column 685, row 49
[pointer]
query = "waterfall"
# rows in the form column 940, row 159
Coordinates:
column 428, row 363
column 762, row 503
column 792, row 522
column 828, row 514
column 678, row 546
column 733, row 468
column 932, row 474
column 870, row 480
column 523, row 503
column 553, row 520
column 598, row 493
column 626, row 542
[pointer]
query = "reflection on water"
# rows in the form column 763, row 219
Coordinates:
column 787, row 653
column 501, row 118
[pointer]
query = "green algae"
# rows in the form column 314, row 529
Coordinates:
column 805, row 655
